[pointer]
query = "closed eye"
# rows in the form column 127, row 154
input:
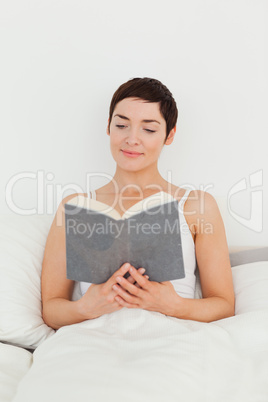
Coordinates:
column 146, row 129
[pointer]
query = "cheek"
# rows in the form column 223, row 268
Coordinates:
column 154, row 145
column 115, row 138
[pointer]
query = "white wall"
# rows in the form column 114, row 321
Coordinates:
column 61, row 62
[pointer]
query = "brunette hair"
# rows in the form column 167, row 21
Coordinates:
column 151, row 90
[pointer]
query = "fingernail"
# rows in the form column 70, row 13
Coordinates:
column 142, row 271
column 127, row 265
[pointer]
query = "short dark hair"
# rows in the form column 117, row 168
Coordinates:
column 151, row 90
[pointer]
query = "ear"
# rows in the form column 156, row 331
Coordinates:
column 107, row 129
column 170, row 137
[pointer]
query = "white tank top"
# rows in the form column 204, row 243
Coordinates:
column 185, row 287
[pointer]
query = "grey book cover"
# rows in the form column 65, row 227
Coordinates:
column 97, row 244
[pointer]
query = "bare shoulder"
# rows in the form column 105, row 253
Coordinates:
column 53, row 278
column 57, row 226
column 204, row 209
column 59, row 216
column 69, row 197
column 200, row 210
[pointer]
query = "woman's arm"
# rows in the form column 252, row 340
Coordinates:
column 58, row 312
column 56, row 290
column 213, row 261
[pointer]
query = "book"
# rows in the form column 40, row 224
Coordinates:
column 99, row 241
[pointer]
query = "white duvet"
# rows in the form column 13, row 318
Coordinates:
column 138, row 355
column 14, row 364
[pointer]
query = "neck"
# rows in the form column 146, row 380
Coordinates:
column 138, row 182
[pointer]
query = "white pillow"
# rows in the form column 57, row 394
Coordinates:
column 22, row 245
column 250, row 286
column 250, row 283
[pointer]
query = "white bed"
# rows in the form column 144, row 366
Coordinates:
column 14, row 364
column 136, row 355
column 132, row 354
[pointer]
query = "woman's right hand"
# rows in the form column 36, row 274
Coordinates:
column 99, row 298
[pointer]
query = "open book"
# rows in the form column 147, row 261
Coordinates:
column 99, row 240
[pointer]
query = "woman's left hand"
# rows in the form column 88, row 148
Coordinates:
column 153, row 296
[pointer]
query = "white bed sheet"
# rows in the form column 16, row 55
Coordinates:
column 14, row 364
column 138, row 355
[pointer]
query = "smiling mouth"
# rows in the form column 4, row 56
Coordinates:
column 130, row 152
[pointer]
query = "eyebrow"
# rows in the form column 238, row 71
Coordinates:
column 143, row 121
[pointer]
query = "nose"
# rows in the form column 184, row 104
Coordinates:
column 133, row 137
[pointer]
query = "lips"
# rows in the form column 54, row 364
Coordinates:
column 131, row 152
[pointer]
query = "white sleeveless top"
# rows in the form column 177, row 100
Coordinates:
column 185, row 287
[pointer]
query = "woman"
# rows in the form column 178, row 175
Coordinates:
column 142, row 119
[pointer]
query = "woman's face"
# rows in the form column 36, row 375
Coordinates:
column 137, row 126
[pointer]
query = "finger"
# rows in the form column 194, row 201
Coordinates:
column 131, row 279
column 136, row 284
column 143, row 282
column 124, row 284
column 123, row 303
column 127, row 297
column 121, row 271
